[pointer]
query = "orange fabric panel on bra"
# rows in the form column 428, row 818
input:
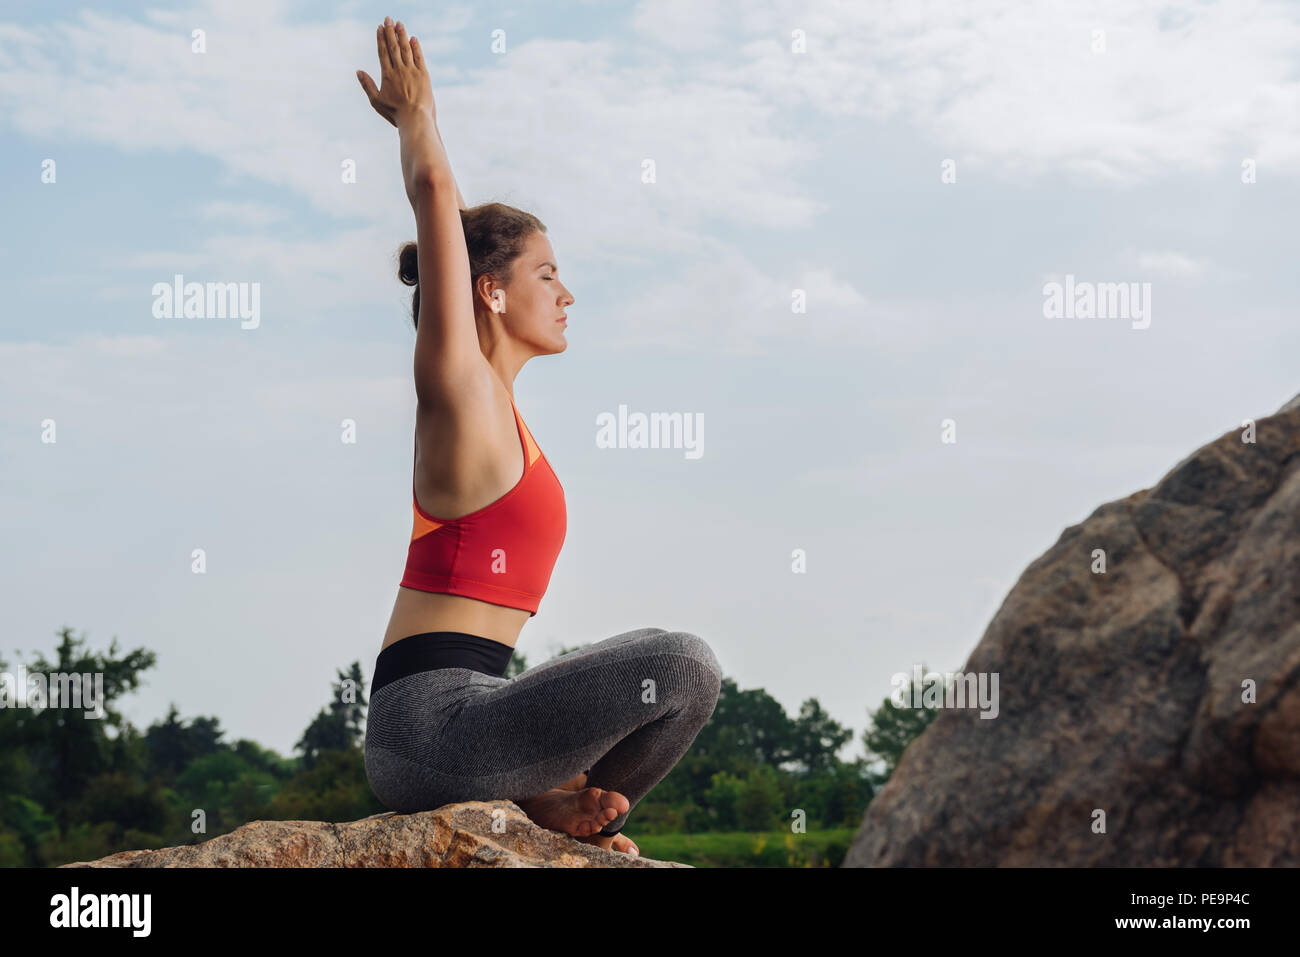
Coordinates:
column 422, row 526
column 533, row 450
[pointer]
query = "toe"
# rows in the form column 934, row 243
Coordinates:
column 612, row 800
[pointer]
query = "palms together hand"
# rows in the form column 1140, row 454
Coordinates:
column 403, row 78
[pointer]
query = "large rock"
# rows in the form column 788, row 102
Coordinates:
column 457, row 835
column 1123, row 691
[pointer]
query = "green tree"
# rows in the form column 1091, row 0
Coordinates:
column 517, row 666
column 335, row 789
column 723, row 798
column 127, row 800
column 12, row 852
column 816, row 738
column 893, row 728
column 759, row 806
column 171, row 744
column 832, row 798
column 29, row 823
column 65, row 748
column 341, row 726
column 747, row 728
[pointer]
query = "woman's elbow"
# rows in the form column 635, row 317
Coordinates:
column 426, row 181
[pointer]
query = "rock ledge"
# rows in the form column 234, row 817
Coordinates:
column 456, row 835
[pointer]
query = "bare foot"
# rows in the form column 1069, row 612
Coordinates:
column 620, row 842
column 577, row 813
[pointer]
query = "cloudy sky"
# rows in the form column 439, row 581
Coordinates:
column 916, row 172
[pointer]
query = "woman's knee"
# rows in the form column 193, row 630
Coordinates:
column 690, row 645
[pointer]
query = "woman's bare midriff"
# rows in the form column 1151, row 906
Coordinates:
column 416, row 612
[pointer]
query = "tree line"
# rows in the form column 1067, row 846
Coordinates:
column 74, row 788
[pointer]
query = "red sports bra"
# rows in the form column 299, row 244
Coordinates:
column 504, row 552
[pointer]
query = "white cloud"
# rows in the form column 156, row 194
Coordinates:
column 134, row 347
column 1014, row 87
column 301, row 279
column 563, row 127
column 1170, row 264
column 558, row 127
column 245, row 214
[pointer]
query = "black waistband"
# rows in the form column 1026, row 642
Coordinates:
column 440, row 649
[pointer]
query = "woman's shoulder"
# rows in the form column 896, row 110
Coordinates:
column 467, row 445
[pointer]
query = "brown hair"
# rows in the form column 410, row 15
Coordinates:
column 494, row 237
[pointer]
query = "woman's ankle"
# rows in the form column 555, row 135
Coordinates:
column 575, row 783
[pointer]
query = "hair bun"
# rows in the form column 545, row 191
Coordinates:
column 408, row 266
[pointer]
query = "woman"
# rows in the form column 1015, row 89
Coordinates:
column 578, row 741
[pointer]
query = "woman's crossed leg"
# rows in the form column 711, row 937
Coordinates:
column 627, row 708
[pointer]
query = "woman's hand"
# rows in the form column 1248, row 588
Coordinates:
column 404, row 81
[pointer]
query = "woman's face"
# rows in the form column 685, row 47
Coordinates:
column 535, row 300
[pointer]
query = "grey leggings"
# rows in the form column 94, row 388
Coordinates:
column 627, row 708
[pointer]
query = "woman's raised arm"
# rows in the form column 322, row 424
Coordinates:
column 447, row 354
